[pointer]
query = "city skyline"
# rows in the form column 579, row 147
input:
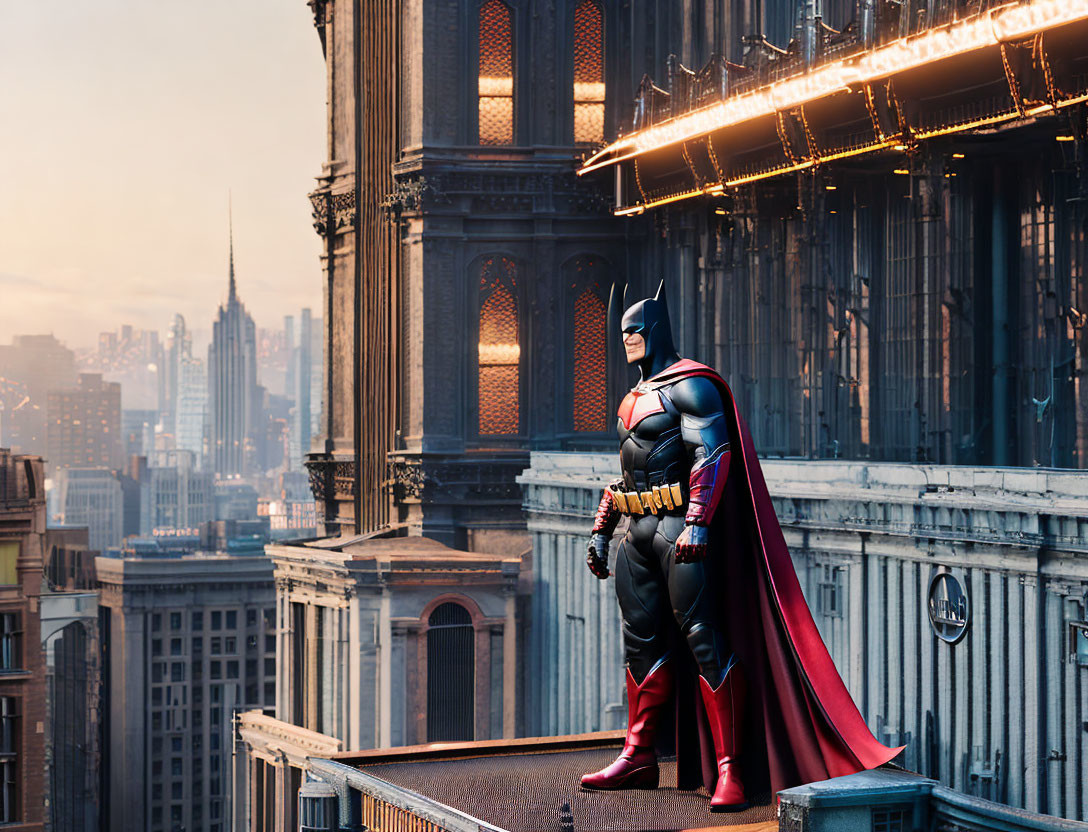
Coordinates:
column 141, row 185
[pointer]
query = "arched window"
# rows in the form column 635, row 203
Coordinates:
column 496, row 73
column 588, row 72
column 590, row 399
column 451, row 664
column 499, row 348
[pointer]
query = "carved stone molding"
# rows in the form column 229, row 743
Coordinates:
column 322, row 14
column 407, row 480
column 332, row 212
column 455, row 480
column 497, row 191
column 331, row 479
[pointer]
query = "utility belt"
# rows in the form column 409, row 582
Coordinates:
column 658, row 498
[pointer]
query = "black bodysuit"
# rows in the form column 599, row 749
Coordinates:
column 665, row 431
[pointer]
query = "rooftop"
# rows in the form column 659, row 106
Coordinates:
column 525, row 784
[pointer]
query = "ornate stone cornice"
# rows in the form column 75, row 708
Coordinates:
column 457, row 480
column 496, row 191
column 322, row 15
column 407, row 478
column 331, row 478
column 269, row 735
column 332, row 212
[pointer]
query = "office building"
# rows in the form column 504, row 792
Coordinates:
column 192, row 642
column 175, row 497
column 92, row 497
column 84, row 425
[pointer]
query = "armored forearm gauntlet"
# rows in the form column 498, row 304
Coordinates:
column 608, row 513
column 604, row 523
column 707, row 483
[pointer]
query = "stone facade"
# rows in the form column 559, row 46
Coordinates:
column 998, row 714
column 454, row 208
column 22, row 663
column 359, row 665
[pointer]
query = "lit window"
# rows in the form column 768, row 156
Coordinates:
column 496, row 73
column 588, row 72
column 499, row 348
column 590, row 353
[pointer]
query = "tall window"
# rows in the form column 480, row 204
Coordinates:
column 590, row 352
column 588, row 72
column 496, row 73
column 9, row 760
column 9, row 560
column 450, row 667
column 499, row 348
column 11, row 636
column 586, row 280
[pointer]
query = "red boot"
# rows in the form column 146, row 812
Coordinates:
column 636, row 767
column 724, row 709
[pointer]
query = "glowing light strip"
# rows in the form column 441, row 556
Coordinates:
column 844, row 154
column 988, row 29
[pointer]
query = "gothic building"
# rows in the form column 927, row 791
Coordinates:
column 468, row 270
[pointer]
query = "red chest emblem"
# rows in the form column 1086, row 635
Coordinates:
column 637, row 406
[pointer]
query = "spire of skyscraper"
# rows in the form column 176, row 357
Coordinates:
column 232, row 294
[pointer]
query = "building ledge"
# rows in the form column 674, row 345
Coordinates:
column 270, row 734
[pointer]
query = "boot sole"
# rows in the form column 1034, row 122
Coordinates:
column 730, row 807
column 627, row 784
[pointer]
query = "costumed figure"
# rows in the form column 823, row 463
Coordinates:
column 719, row 643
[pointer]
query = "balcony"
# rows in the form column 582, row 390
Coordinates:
column 887, row 84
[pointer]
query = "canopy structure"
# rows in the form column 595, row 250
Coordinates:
column 728, row 125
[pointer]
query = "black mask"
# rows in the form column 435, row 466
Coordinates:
column 650, row 319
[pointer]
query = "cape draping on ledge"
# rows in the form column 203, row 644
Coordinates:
column 801, row 723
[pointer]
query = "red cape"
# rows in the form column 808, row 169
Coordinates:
column 801, row 723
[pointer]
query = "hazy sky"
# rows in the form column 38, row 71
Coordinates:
column 123, row 124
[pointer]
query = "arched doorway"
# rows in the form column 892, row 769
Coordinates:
column 451, row 663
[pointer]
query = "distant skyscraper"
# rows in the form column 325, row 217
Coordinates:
column 192, row 407
column 289, row 346
column 30, row 367
column 133, row 358
column 138, row 432
column 179, row 348
column 233, row 395
column 174, row 496
column 92, row 497
column 84, row 425
column 300, row 374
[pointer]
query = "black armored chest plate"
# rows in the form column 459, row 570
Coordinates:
column 652, row 451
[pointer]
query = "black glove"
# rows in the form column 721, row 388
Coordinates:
column 691, row 545
column 597, row 555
